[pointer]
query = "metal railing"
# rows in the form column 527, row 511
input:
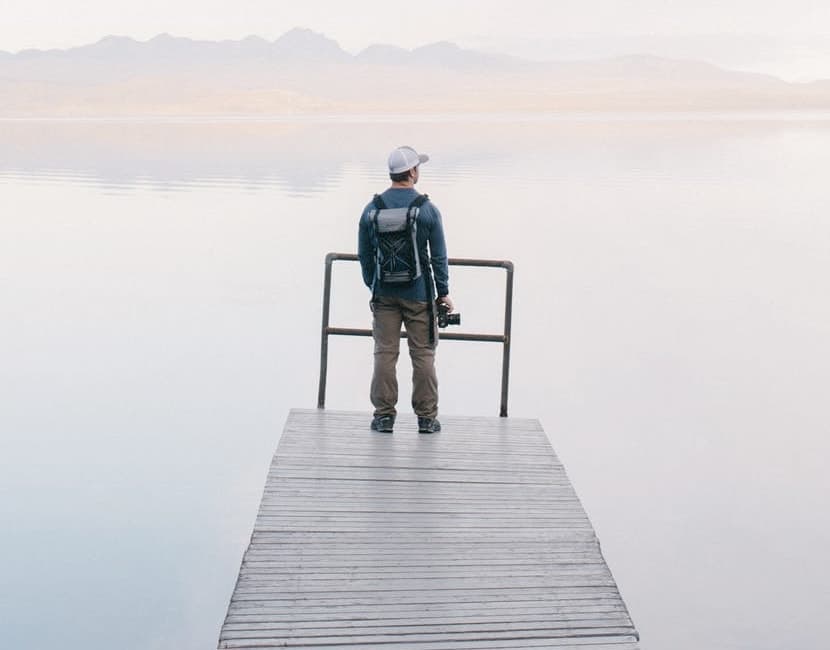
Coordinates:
column 503, row 338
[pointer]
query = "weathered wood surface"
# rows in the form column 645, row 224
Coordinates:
column 472, row 538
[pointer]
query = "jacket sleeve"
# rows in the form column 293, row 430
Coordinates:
column 366, row 251
column 438, row 255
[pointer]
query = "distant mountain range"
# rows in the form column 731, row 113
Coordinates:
column 306, row 72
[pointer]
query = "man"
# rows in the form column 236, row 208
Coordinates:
column 408, row 303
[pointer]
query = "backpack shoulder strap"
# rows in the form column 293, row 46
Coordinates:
column 379, row 204
column 419, row 200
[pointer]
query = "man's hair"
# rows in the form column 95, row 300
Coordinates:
column 402, row 177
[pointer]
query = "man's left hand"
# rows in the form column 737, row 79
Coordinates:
column 448, row 302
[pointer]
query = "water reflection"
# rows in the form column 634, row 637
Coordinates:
column 303, row 158
column 176, row 156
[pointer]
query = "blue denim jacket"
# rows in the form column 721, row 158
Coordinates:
column 431, row 246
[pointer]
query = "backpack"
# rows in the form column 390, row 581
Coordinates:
column 394, row 234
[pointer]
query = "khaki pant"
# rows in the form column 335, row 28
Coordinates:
column 389, row 314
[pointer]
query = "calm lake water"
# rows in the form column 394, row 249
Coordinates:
column 160, row 288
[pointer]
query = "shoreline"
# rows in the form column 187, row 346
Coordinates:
column 703, row 115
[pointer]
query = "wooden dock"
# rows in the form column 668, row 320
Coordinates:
column 472, row 538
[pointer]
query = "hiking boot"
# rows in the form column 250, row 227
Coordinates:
column 383, row 423
column 428, row 425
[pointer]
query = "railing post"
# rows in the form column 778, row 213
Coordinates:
column 324, row 334
column 508, row 323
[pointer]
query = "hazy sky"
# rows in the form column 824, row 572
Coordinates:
column 788, row 39
column 357, row 23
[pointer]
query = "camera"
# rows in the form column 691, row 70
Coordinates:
column 445, row 317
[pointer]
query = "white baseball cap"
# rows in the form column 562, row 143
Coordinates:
column 405, row 158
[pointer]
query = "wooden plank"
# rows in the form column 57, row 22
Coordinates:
column 299, row 613
column 360, row 632
column 469, row 539
column 610, row 642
